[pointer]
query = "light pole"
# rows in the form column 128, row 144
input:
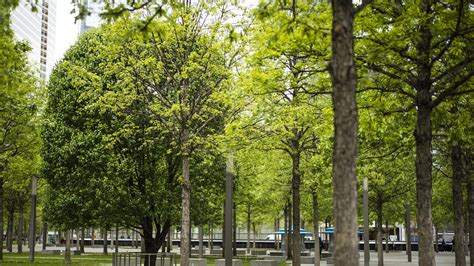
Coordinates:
column 33, row 218
column 228, row 210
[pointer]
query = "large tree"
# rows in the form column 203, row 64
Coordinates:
column 288, row 74
column 423, row 47
column 18, row 101
column 344, row 80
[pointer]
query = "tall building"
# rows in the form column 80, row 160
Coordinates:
column 93, row 20
column 39, row 30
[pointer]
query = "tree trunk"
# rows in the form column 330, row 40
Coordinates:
column 254, row 227
column 423, row 136
column 45, row 235
column 436, row 240
column 248, row 227
column 344, row 78
column 379, row 232
column 295, row 183
column 116, row 239
column 11, row 213
column 234, row 230
column 287, row 239
column 78, row 246
column 387, row 236
column 92, row 237
column 106, row 249
column 20, row 227
column 185, row 213
column 169, row 244
column 470, row 202
column 458, row 205
column 82, row 239
column 211, row 236
column 201, row 247
column 317, row 256
column 67, row 252
column 290, row 233
column 408, row 230
column 1, row 213
column 153, row 242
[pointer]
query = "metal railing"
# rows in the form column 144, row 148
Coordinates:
column 144, row 259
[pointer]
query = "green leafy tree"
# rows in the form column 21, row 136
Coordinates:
column 287, row 72
column 423, row 49
column 18, row 105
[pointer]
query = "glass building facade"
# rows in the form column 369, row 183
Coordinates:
column 39, row 30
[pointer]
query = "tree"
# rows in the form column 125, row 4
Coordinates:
column 287, row 73
column 344, row 80
column 118, row 170
column 424, row 57
column 17, row 100
column 192, row 74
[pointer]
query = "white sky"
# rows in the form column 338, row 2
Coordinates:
column 66, row 30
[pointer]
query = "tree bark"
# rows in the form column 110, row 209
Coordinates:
column 423, row 136
column 106, row 249
column 92, row 237
column 296, row 180
column 116, row 239
column 234, row 229
column 211, row 236
column 470, row 202
column 1, row 213
column 424, row 182
column 82, row 239
column 379, row 232
column 67, row 252
column 201, row 247
column 77, row 240
column 254, row 227
column 290, row 232
column 387, row 236
column 456, row 162
column 21, row 211
column 344, row 78
column 317, row 257
column 45, row 235
column 248, row 227
column 408, row 230
column 169, row 244
column 11, row 213
column 185, row 212
column 287, row 239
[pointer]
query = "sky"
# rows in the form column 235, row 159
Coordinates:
column 66, row 30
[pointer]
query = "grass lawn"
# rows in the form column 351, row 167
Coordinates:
column 13, row 259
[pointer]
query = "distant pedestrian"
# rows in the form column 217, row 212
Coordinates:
column 443, row 245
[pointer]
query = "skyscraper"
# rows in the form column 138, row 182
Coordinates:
column 39, row 30
column 93, row 20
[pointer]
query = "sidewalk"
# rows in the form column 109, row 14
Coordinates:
column 397, row 258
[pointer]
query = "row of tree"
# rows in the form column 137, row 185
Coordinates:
column 141, row 112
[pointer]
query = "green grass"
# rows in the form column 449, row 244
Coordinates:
column 11, row 259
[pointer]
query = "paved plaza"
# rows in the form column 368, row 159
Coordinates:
column 394, row 258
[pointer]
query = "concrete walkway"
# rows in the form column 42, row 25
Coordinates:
column 400, row 259
column 394, row 258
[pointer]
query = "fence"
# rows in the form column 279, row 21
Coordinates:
column 144, row 259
